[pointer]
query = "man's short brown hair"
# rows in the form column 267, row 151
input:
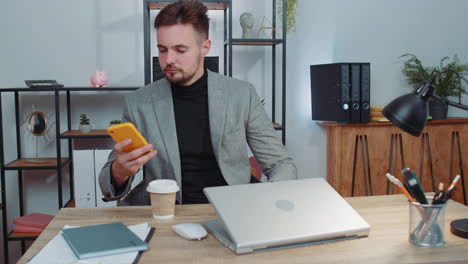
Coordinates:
column 185, row 12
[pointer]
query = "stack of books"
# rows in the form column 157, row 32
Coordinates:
column 31, row 223
column 376, row 114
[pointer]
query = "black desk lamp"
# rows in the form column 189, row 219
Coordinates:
column 409, row 112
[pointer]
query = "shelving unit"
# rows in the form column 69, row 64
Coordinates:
column 273, row 43
column 57, row 163
column 229, row 42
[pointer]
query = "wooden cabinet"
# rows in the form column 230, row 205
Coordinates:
column 359, row 156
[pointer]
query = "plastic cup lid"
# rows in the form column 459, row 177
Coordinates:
column 163, row 186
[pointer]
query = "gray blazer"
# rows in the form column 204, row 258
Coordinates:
column 236, row 117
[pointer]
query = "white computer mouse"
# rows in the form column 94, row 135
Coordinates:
column 190, row 231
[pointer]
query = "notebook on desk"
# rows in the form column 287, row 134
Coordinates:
column 257, row 217
column 101, row 240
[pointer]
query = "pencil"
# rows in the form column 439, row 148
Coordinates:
column 406, row 193
column 400, row 186
column 454, row 182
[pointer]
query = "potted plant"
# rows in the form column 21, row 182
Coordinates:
column 290, row 14
column 115, row 122
column 85, row 127
column 450, row 79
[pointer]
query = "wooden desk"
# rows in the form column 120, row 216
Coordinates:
column 387, row 242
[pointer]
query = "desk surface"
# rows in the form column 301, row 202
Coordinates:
column 387, row 241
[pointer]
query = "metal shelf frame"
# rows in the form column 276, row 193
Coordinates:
column 59, row 163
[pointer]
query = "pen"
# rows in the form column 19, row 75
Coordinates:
column 454, row 182
column 400, row 186
column 441, row 186
column 405, row 183
column 439, row 195
column 414, row 186
column 448, row 193
column 447, row 196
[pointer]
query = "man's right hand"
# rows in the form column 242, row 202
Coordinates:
column 127, row 164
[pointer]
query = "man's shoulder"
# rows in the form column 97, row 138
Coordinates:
column 145, row 92
column 228, row 82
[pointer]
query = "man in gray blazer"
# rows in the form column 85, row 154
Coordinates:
column 199, row 123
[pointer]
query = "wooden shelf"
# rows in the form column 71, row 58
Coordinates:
column 102, row 133
column 65, row 89
column 216, row 5
column 96, row 133
column 255, row 42
column 450, row 120
column 35, row 164
column 101, row 89
column 277, row 126
column 22, row 236
column 70, row 204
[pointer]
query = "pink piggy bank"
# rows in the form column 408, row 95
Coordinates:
column 99, row 79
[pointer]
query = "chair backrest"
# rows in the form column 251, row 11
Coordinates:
column 255, row 170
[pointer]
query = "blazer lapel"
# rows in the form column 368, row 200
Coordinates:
column 217, row 111
column 164, row 111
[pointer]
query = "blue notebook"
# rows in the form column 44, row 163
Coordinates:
column 101, row 240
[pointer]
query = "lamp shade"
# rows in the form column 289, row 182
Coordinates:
column 408, row 112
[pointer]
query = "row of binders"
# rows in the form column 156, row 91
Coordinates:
column 341, row 92
column 414, row 191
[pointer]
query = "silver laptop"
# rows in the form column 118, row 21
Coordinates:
column 264, row 216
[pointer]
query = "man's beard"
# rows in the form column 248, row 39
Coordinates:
column 180, row 77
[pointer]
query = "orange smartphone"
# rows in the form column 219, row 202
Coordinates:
column 123, row 131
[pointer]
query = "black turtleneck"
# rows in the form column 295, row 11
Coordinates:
column 199, row 166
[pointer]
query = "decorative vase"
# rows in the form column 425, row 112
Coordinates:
column 247, row 21
column 85, row 128
column 438, row 109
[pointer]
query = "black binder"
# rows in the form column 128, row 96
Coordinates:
column 330, row 92
column 365, row 92
column 355, row 93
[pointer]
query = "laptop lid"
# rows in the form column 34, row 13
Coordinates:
column 259, row 216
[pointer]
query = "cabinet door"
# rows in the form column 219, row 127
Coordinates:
column 83, row 172
column 101, row 156
column 365, row 159
column 448, row 154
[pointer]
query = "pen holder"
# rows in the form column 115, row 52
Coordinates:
column 427, row 223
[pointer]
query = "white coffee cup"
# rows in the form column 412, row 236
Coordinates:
column 163, row 194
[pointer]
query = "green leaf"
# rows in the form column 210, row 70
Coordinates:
column 451, row 74
column 290, row 14
column 84, row 120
